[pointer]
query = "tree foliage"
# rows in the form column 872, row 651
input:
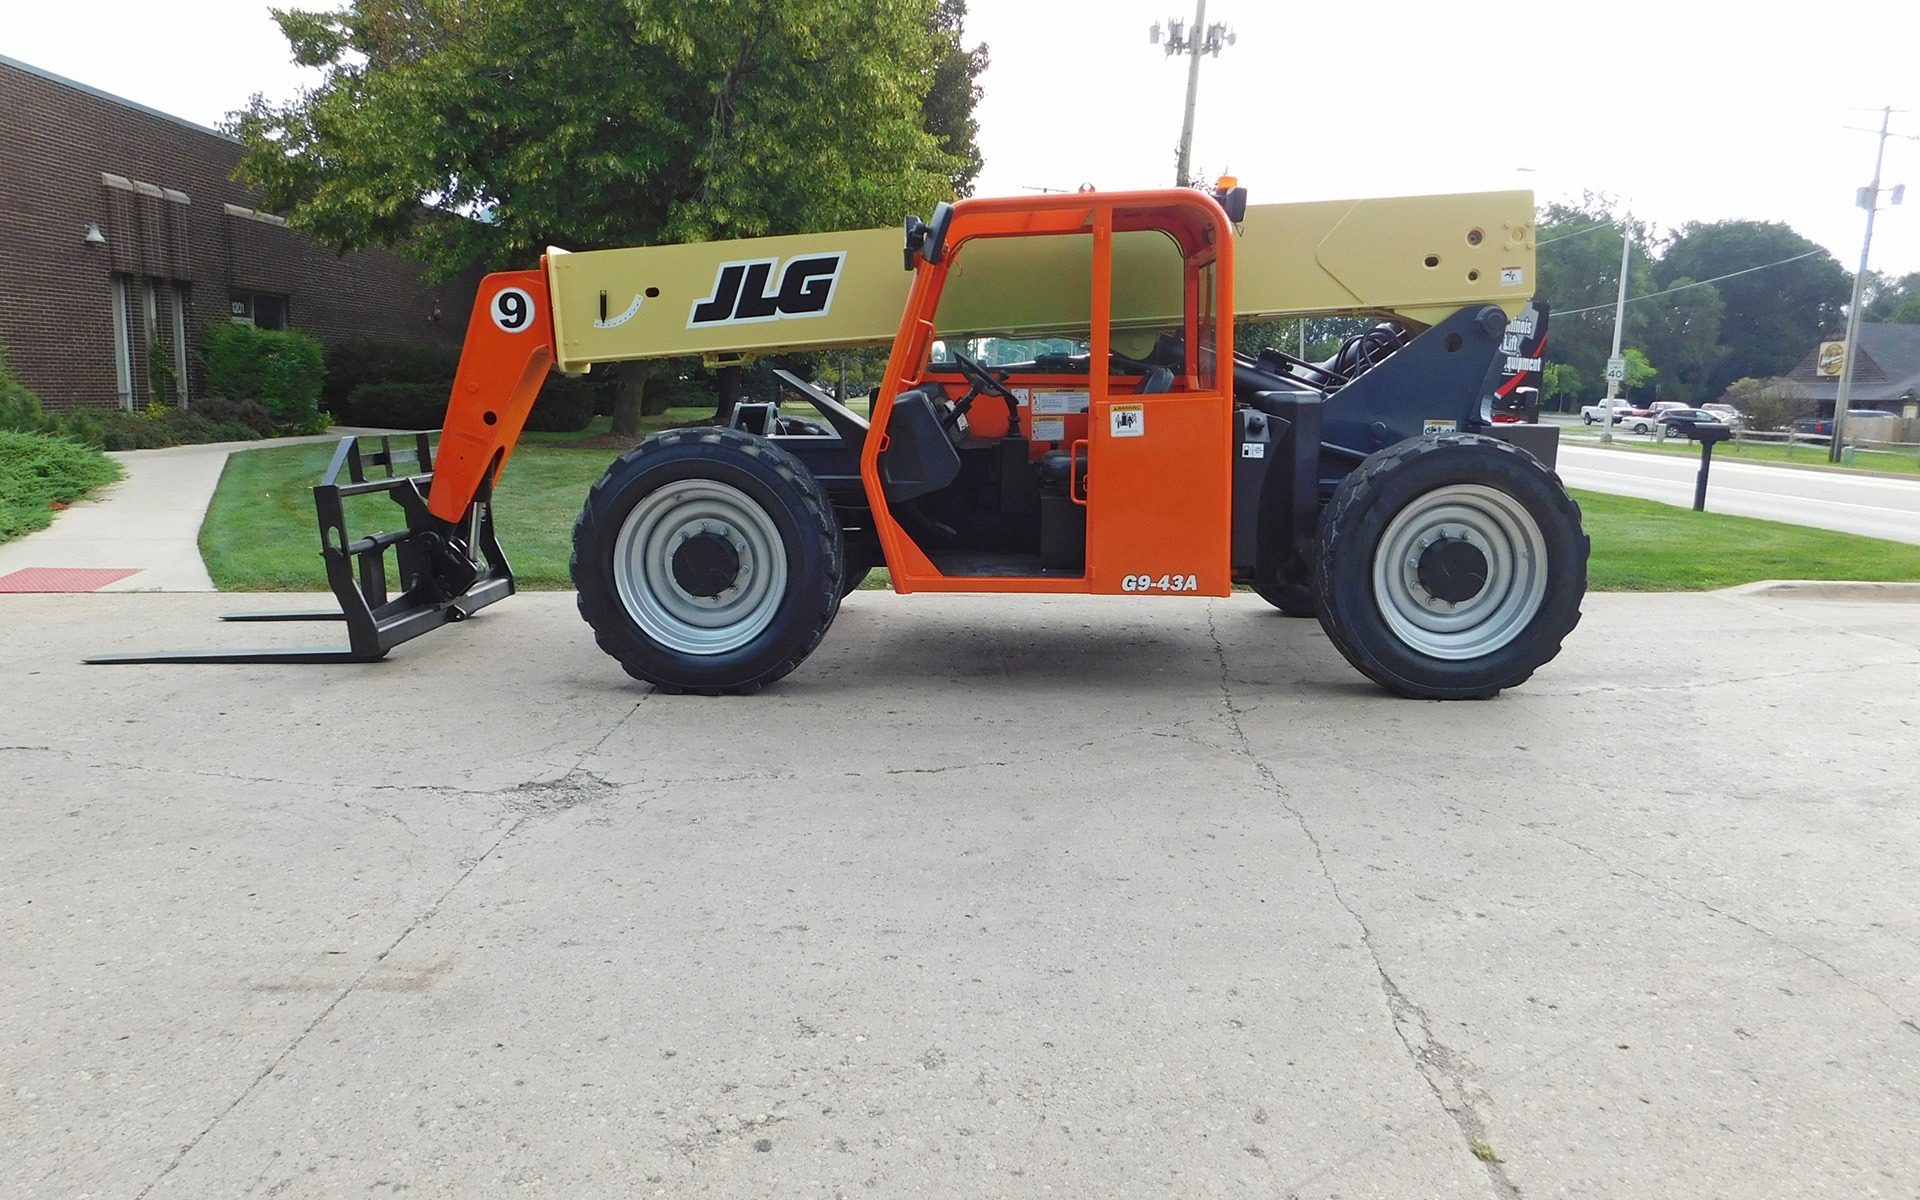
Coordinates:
column 1894, row 302
column 1769, row 403
column 1579, row 267
column 1697, row 310
column 947, row 112
column 1770, row 317
column 597, row 123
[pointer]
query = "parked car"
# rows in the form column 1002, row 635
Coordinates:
column 1664, row 405
column 1641, row 420
column 1868, row 424
column 1593, row 414
column 1682, row 422
column 1727, row 413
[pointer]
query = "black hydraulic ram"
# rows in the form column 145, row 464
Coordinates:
column 440, row 578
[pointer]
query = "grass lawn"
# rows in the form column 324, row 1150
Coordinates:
column 260, row 533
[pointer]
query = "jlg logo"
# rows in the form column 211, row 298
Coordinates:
column 740, row 294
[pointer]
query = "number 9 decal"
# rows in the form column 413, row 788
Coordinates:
column 513, row 310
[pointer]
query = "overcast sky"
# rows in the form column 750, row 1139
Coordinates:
column 1683, row 111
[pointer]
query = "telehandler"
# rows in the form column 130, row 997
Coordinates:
column 1114, row 442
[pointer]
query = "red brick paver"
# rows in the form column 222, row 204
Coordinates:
column 64, row 579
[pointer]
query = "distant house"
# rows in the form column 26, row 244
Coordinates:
column 123, row 234
column 1885, row 377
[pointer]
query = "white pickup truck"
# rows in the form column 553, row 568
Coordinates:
column 1593, row 414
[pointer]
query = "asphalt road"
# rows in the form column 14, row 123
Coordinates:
column 1874, row 506
column 995, row 896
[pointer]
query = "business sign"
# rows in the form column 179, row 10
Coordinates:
column 1832, row 356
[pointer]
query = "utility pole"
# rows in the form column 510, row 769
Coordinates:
column 1203, row 39
column 1616, row 365
column 1868, row 198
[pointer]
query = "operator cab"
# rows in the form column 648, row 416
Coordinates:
column 1044, row 418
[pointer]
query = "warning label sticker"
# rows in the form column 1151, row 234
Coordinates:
column 1129, row 420
column 1432, row 427
column 1049, row 429
column 1059, row 404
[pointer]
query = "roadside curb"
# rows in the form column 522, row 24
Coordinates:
column 1824, row 589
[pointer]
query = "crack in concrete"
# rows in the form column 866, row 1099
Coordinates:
column 943, row 770
column 299, row 1039
column 1765, row 933
column 96, row 762
column 550, row 796
column 1444, row 1071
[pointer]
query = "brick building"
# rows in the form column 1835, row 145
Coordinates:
column 122, row 234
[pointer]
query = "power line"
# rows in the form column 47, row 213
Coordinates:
column 1696, row 283
column 1576, row 233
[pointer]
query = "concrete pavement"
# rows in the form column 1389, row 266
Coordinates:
column 994, row 896
column 148, row 524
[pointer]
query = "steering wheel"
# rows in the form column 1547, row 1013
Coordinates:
column 980, row 382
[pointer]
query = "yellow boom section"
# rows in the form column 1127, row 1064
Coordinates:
column 1417, row 258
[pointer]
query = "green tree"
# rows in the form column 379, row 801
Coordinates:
column 1683, row 334
column 1561, row 383
column 1640, row 372
column 1770, row 316
column 477, row 132
column 1894, row 302
column 1768, row 403
column 1579, row 267
column 947, row 112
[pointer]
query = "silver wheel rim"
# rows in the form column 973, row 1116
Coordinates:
column 667, row 612
column 1516, row 552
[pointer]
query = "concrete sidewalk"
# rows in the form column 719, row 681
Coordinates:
column 147, row 525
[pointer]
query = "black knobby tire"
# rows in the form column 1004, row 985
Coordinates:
column 780, row 541
column 1374, row 602
column 1292, row 599
column 860, row 563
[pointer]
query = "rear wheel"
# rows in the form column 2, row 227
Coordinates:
column 707, row 560
column 1450, row 567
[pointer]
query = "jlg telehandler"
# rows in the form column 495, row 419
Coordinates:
column 1116, row 443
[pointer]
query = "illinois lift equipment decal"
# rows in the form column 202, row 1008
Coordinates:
column 741, row 294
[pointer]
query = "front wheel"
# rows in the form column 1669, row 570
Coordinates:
column 1589, row 419
column 707, row 560
column 1450, row 567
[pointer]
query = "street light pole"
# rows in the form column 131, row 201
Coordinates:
column 1869, row 199
column 1183, row 175
column 1201, row 39
column 1619, row 322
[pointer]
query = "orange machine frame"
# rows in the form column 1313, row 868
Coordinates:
column 1159, row 504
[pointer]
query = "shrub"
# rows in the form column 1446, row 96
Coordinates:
column 19, row 408
column 250, row 413
column 1769, row 403
column 171, row 427
column 565, row 405
column 281, row 369
column 38, row 471
column 399, row 405
column 351, row 365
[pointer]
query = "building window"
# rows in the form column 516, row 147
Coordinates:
column 122, row 343
column 182, row 385
column 263, row 309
